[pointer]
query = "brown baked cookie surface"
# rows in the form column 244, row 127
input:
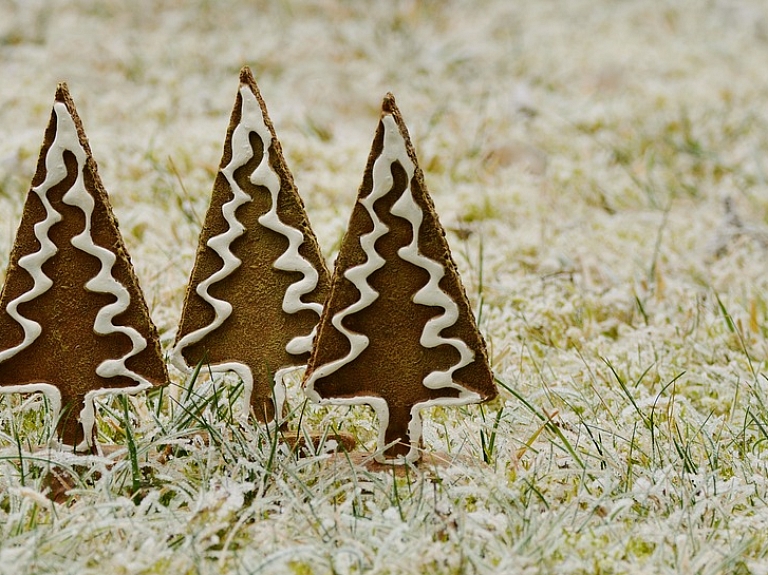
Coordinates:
column 397, row 331
column 259, row 280
column 73, row 320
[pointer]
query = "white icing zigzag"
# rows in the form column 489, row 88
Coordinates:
column 358, row 275
column 221, row 244
column 291, row 260
column 431, row 294
column 103, row 282
column 252, row 120
column 56, row 171
column 394, row 150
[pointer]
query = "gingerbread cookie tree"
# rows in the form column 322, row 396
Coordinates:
column 397, row 331
column 73, row 321
column 259, row 280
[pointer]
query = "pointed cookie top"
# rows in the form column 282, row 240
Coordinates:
column 256, row 290
column 68, row 282
column 397, row 331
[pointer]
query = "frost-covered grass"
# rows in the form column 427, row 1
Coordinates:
column 601, row 169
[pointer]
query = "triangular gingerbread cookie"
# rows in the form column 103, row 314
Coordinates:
column 397, row 331
column 256, row 290
column 73, row 321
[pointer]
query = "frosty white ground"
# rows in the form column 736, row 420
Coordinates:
column 601, row 167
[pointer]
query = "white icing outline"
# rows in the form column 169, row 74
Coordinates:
column 394, row 151
column 252, row 120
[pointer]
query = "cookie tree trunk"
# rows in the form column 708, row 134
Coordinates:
column 398, row 432
column 69, row 430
